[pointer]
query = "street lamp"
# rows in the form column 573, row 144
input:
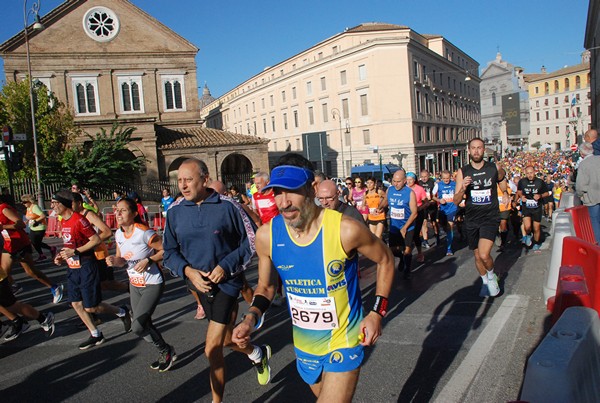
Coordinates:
column 349, row 142
column 37, row 26
column 334, row 112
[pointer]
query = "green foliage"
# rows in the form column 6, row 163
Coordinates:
column 54, row 123
column 100, row 163
column 536, row 145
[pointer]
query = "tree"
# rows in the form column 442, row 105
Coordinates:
column 102, row 163
column 536, row 145
column 54, row 123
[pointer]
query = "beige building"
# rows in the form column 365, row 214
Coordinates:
column 373, row 91
column 109, row 61
column 560, row 105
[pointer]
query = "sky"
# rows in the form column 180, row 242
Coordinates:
column 239, row 38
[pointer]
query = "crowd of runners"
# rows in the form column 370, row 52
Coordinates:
column 308, row 233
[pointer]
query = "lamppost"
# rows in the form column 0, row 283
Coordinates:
column 334, row 112
column 36, row 26
column 349, row 142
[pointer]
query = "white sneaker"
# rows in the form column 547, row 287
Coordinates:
column 493, row 287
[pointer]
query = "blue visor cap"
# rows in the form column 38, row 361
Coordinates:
column 411, row 175
column 289, row 177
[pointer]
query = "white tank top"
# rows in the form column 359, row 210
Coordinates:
column 135, row 248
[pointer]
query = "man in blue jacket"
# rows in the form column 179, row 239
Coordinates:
column 209, row 244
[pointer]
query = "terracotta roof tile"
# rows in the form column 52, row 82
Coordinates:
column 201, row 137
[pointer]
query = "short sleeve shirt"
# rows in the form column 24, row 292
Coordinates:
column 76, row 231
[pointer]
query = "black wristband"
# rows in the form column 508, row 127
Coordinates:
column 261, row 303
column 380, row 305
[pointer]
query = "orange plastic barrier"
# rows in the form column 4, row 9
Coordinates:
column 110, row 220
column 571, row 291
column 582, row 223
column 577, row 252
column 53, row 227
column 159, row 222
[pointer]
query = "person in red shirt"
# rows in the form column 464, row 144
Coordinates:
column 264, row 203
column 17, row 246
column 83, row 278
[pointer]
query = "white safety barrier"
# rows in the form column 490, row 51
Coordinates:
column 566, row 365
column 561, row 228
column 569, row 199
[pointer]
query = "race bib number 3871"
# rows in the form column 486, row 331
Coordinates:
column 481, row 196
column 314, row 313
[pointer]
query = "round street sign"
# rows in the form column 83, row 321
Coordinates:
column 455, row 153
column 573, row 147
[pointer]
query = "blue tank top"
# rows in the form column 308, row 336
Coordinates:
column 321, row 283
column 446, row 192
column 399, row 202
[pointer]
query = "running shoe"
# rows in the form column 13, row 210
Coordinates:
column 17, row 326
column 536, row 247
column 200, row 314
column 91, row 342
column 425, row 244
column 484, row 291
column 165, row 360
column 528, row 241
column 449, row 252
column 493, row 287
column 420, row 258
column 126, row 318
column 48, row 324
column 41, row 258
column 16, row 288
column 263, row 369
column 57, row 292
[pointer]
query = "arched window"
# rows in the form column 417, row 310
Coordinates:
column 567, row 84
column 546, row 88
column 577, row 82
column 555, row 86
column 493, row 99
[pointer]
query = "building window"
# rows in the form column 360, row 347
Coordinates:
column 262, row 102
column 567, row 86
column 101, row 24
column 343, row 77
column 285, row 126
column 345, row 109
column 293, row 92
column 295, row 118
column 556, row 114
column 271, row 99
column 264, row 126
column 418, row 100
column 173, row 93
column 282, row 96
column 323, row 84
column 557, row 131
column 253, row 107
column 547, row 115
column 309, row 88
column 273, row 123
column 420, row 134
column 537, row 90
column 86, row 96
column 538, row 131
column 547, row 130
column 415, row 70
column 436, row 105
column 555, row 86
column 577, row 82
column 546, row 88
column 325, row 113
column 362, row 72
column 132, row 96
column 366, row 137
column 311, row 116
column 427, row 111
column 567, row 112
column 493, row 99
column 443, row 107
column 364, row 108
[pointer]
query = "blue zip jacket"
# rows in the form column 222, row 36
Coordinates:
column 206, row 235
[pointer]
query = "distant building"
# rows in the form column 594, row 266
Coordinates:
column 560, row 105
column 108, row 61
column 592, row 44
column 504, row 106
column 375, row 92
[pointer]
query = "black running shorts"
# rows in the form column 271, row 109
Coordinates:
column 481, row 229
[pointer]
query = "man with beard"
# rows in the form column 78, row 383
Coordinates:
column 531, row 192
column 479, row 181
column 315, row 252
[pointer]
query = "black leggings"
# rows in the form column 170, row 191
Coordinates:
column 37, row 239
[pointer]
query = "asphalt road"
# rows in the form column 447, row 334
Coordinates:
column 441, row 342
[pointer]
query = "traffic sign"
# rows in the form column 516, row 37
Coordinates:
column 429, row 157
column 455, row 153
column 5, row 135
column 19, row 137
column 573, row 147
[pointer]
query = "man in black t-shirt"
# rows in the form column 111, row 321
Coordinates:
column 531, row 191
column 479, row 181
